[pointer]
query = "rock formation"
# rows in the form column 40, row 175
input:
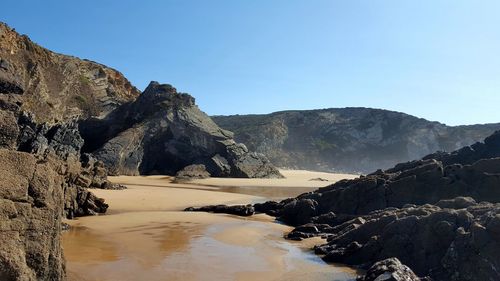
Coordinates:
column 389, row 270
column 162, row 132
column 59, row 117
column 192, row 172
column 36, row 192
column 239, row 210
column 424, row 213
column 354, row 140
column 55, row 87
column 83, row 104
column 31, row 203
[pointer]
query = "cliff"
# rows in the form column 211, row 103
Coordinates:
column 54, row 109
column 358, row 140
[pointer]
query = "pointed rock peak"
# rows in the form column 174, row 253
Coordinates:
column 157, row 92
column 156, row 88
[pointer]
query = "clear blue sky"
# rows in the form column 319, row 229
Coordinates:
column 434, row 59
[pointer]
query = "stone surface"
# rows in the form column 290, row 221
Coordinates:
column 239, row 210
column 55, row 87
column 354, row 140
column 446, row 244
column 31, row 201
column 162, row 132
column 389, row 270
column 192, row 172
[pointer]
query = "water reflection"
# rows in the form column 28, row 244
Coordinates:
column 230, row 249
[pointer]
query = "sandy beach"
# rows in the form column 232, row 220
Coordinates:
column 146, row 236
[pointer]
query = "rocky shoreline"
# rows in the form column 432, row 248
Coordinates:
column 66, row 124
column 439, row 216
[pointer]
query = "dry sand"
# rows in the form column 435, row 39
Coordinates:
column 146, row 237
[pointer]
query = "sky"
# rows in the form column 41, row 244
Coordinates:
column 435, row 59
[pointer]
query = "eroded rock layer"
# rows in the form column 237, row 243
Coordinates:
column 162, row 132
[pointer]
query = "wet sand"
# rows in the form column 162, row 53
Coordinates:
column 145, row 236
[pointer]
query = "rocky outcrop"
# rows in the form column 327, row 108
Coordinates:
column 238, row 210
column 424, row 213
column 354, row 140
column 36, row 193
column 419, row 182
column 31, row 212
column 162, row 132
column 192, row 172
column 55, row 87
column 447, row 244
column 389, row 270
column 50, row 101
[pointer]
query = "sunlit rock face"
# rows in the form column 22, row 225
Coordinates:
column 162, row 132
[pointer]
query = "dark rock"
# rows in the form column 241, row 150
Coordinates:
column 62, row 139
column 389, row 270
column 162, row 132
column 299, row 211
column 418, row 182
column 457, row 203
column 9, row 81
column 425, row 213
column 192, row 172
column 468, row 155
column 238, row 210
column 318, row 179
column 303, row 231
column 270, row 207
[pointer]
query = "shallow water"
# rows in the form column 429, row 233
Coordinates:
column 170, row 245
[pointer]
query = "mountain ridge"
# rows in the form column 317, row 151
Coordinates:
column 351, row 139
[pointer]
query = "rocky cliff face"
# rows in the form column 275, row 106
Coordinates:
column 55, row 108
column 358, row 140
column 162, row 132
column 57, row 87
column 31, row 205
column 48, row 97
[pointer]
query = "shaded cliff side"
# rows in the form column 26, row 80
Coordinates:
column 358, row 140
column 162, row 132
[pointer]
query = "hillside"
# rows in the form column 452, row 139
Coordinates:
column 347, row 139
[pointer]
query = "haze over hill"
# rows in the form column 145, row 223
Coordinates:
column 357, row 140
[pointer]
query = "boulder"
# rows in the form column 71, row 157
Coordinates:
column 389, row 270
column 238, row 210
column 299, row 211
column 192, row 172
